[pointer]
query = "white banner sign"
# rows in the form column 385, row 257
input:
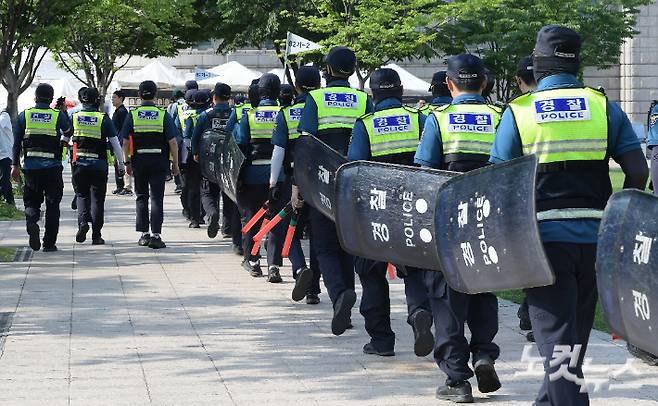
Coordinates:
column 296, row 44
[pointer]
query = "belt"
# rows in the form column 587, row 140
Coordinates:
column 149, row 151
column 261, row 162
column 39, row 154
column 570, row 214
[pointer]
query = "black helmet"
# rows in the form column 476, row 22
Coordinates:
column 385, row 83
column 269, row 86
column 147, row 89
column 342, row 61
column 44, row 92
column 287, row 95
column 90, row 96
column 191, row 84
column 307, row 78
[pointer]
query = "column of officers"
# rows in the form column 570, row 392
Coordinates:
column 572, row 189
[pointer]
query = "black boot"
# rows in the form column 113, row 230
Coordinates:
column 460, row 392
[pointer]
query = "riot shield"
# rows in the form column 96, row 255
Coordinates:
column 209, row 154
column 486, row 228
column 627, row 267
column 316, row 165
column 231, row 160
column 386, row 212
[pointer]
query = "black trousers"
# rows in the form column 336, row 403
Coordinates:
column 90, row 193
column 210, row 193
column 250, row 200
column 191, row 194
column 43, row 184
column 5, row 181
column 336, row 265
column 118, row 179
column 563, row 314
column 375, row 304
column 150, row 173
column 451, row 310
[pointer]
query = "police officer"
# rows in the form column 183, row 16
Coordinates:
column 179, row 114
column 92, row 132
column 525, row 79
column 151, row 135
column 440, row 93
column 216, row 119
column 254, row 135
column 397, row 146
column 445, row 145
column 286, row 95
column 307, row 280
column 332, row 124
column 573, row 130
column 40, row 134
column 188, row 110
column 192, row 170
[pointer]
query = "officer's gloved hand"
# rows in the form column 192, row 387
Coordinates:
column 274, row 195
column 296, row 200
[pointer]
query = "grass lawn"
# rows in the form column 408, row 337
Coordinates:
column 617, row 178
column 8, row 212
column 516, row 296
column 7, row 254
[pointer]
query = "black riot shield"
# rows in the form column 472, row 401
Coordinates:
column 231, row 160
column 627, row 267
column 386, row 212
column 210, row 153
column 487, row 229
column 316, row 165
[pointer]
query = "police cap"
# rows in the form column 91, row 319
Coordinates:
column 90, row 95
column 201, row 97
column 269, row 86
column 342, row 61
column 307, row 78
column 438, row 84
column 189, row 95
column 384, row 79
column 465, row 68
column 44, row 92
column 491, row 82
column 191, row 84
column 559, row 42
column 525, row 66
column 287, row 90
column 222, row 90
column 147, row 89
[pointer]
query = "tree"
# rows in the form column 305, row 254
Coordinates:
column 261, row 23
column 106, row 34
column 379, row 31
column 27, row 28
column 501, row 32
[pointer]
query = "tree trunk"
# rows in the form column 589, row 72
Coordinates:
column 13, row 92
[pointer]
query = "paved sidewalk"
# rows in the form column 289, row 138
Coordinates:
column 126, row 325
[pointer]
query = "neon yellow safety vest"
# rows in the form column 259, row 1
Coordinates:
column 41, row 139
column 292, row 115
column 262, row 121
column 182, row 109
column 241, row 111
column 467, row 129
column 194, row 115
column 339, row 107
column 148, row 130
column 392, row 131
column 563, row 124
column 87, row 135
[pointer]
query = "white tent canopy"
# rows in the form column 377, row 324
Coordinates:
column 164, row 76
column 232, row 73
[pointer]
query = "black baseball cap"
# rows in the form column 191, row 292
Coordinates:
column 439, row 80
column 44, row 91
column 189, row 95
column 148, row 89
column 525, row 66
column 90, row 95
column 465, row 68
column 222, row 90
column 308, row 77
column 385, row 78
column 191, row 84
column 342, row 61
column 558, row 42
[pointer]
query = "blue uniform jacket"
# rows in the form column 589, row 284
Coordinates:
column 441, row 100
column 170, row 130
column 189, row 124
column 430, row 150
column 309, row 120
column 280, row 133
column 254, row 174
column 652, row 138
column 621, row 139
column 108, row 131
column 63, row 128
column 360, row 143
column 202, row 124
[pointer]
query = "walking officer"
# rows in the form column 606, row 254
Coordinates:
column 40, row 135
column 191, row 170
column 440, row 93
column 446, row 144
column 216, row 119
column 396, row 146
column 307, row 280
column 179, row 121
column 93, row 131
column 254, row 135
column 332, row 123
column 573, row 130
column 151, row 135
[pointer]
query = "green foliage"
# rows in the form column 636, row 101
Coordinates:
column 103, row 31
column 503, row 31
column 8, row 212
column 7, row 254
column 379, row 31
